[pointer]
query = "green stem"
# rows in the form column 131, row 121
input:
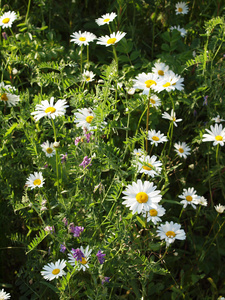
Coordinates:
column 217, row 154
column 116, row 58
column 28, row 10
column 87, row 57
column 81, row 59
column 56, row 154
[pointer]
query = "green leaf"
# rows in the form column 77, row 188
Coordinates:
column 140, row 221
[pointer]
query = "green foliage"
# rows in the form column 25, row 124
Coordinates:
column 39, row 62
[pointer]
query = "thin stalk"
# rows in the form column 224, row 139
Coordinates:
column 81, row 59
column 116, row 58
column 56, row 154
column 87, row 57
column 217, row 153
column 28, row 10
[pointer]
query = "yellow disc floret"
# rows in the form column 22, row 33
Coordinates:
column 155, row 138
column 170, row 234
column 55, row 271
column 219, row 138
column 142, row 197
column 189, row 198
column 153, row 212
column 149, row 83
column 50, row 110
column 4, row 97
column 111, row 41
column 89, row 119
column 6, row 20
column 82, row 39
column 37, row 182
column 49, row 150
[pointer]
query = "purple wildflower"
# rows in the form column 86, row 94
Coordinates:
column 101, row 257
column 62, row 248
column 86, row 162
column 46, row 166
column 77, row 231
column 50, row 229
column 63, row 158
column 205, row 102
column 4, row 35
column 78, row 254
column 106, row 279
column 77, row 140
column 65, row 221
column 88, row 137
column 71, row 228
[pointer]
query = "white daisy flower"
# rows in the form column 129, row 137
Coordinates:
column 106, row 19
column 50, row 109
column 7, row 19
column 149, row 165
column 154, row 213
column 4, row 295
column 217, row 119
column 182, row 149
column 88, row 76
column 84, row 117
column 10, row 99
column 114, row 38
column 138, row 152
column 182, row 31
column 141, row 196
column 171, row 117
column 216, row 135
column 170, row 232
column 82, row 38
column 148, row 81
column 181, row 8
column 172, row 82
column 48, row 149
column 219, row 208
column 35, row 180
column 160, row 69
column 7, row 87
column 83, row 264
column 131, row 91
column 189, row 196
column 202, row 201
column 154, row 100
column 156, row 137
column 54, row 270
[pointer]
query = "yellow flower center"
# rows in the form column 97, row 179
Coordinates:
column 167, row 84
column 149, row 83
column 83, row 261
column 49, row 150
column 155, row 138
column 152, row 101
column 82, row 39
column 88, row 79
column 189, row 198
column 180, row 9
column 50, row 110
column 161, row 73
column 4, row 97
column 111, row 41
column 37, row 182
column 174, row 119
column 170, row 234
column 138, row 153
column 142, row 197
column 219, row 138
column 55, row 271
column 89, row 119
column 6, row 20
column 153, row 212
column 148, row 168
column 106, row 20
column 181, row 150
